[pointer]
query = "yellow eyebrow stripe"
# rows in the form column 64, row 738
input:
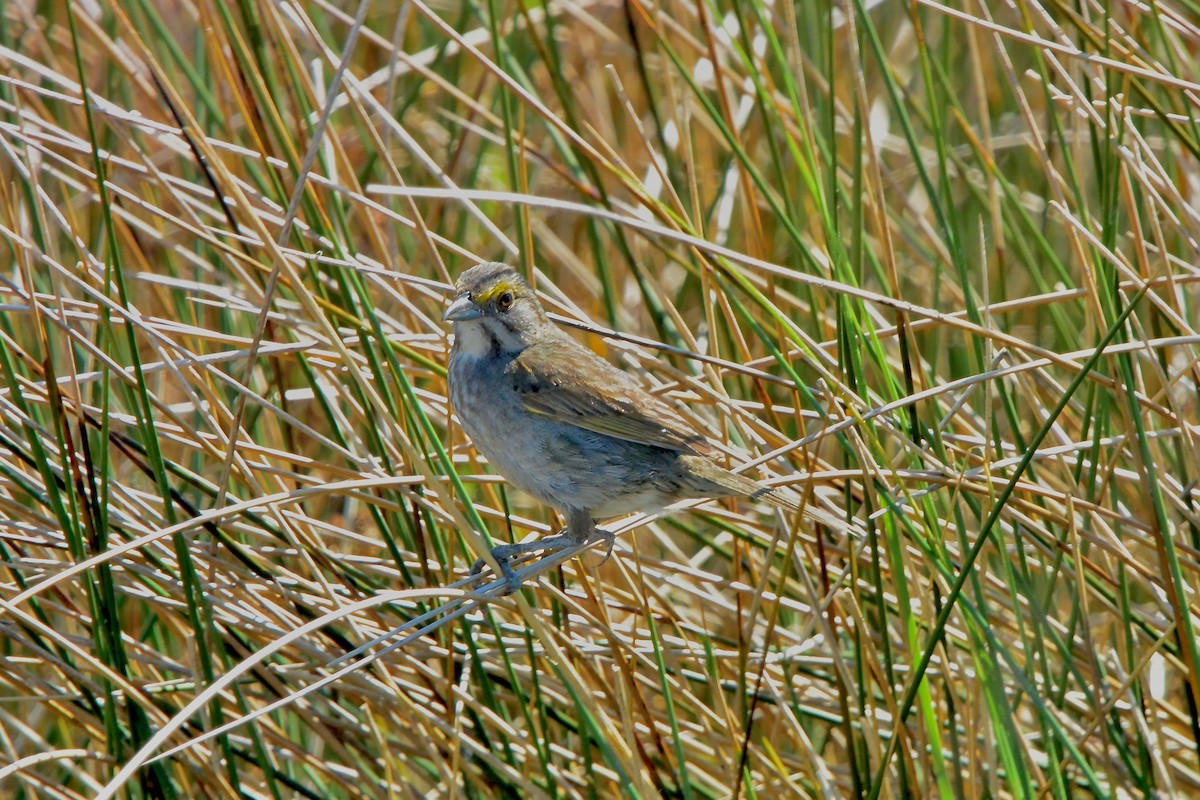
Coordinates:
column 489, row 294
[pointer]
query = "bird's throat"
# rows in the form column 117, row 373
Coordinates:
column 486, row 338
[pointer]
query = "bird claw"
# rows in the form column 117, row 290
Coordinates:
column 504, row 553
column 610, row 539
column 512, row 583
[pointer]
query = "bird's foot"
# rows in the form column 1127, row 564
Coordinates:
column 609, row 539
column 505, row 553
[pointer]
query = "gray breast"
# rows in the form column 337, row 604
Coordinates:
column 560, row 464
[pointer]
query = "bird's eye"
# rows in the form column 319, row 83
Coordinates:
column 505, row 301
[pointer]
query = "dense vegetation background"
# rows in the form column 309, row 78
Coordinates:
column 932, row 266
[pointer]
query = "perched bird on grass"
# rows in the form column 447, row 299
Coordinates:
column 564, row 425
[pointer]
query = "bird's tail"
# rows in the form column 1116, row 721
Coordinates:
column 775, row 497
column 709, row 479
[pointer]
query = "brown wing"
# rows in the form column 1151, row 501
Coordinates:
column 575, row 386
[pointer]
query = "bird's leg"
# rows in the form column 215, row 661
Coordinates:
column 581, row 528
column 581, row 525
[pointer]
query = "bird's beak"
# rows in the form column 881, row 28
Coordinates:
column 462, row 308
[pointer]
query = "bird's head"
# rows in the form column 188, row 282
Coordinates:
column 494, row 311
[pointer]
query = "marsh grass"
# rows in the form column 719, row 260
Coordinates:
column 930, row 267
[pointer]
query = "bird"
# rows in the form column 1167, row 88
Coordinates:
column 565, row 426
